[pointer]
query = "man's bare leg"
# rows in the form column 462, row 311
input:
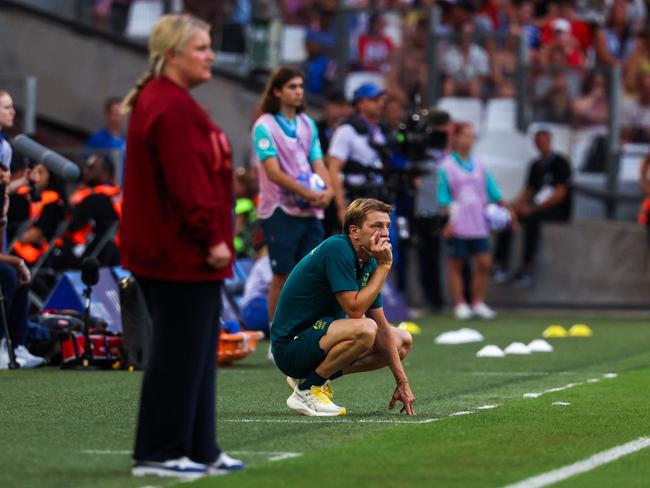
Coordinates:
column 346, row 341
column 374, row 359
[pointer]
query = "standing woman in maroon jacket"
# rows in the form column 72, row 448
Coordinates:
column 176, row 238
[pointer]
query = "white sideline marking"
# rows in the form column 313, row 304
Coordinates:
column 329, row 420
column 583, row 466
column 566, row 387
column 561, row 404
column 487, row 407
column 272, row 455
column 102, row 452
column 460, row 414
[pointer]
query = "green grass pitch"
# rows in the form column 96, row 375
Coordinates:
column 75, row 429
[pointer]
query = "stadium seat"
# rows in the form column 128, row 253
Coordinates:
column 142, row 17
column 464, row 110
column 357, row 78
column 506, row 154
column 501, row 114
column 582, row 140
column 293, row 48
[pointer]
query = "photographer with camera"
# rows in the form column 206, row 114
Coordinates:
column 359, row 151
column 427, row 135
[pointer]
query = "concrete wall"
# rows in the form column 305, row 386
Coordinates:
column 77, row 71
column 587, row 264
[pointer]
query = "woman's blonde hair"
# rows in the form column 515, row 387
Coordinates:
column 171, row 32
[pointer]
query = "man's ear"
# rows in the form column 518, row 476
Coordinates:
column 354, row 232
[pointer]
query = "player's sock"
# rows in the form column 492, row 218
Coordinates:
column 312, row 379
column 338, row 374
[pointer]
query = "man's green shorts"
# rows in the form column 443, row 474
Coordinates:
column 301, row 355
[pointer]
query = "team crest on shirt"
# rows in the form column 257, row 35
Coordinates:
column 365, row 279
column 319, row 324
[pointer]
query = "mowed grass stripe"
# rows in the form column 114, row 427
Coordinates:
column 518, row 440
column 584, row 466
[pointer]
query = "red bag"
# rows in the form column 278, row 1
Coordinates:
column 105, row 350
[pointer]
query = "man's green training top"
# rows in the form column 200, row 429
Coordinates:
column 309, row 292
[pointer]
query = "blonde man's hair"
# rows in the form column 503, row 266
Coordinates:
column 171, row 32
column 3, row 93
column 358, row 211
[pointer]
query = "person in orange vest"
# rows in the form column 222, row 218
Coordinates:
column 48, row 211
column 96, row 207
column 22, row 191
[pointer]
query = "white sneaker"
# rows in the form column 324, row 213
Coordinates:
column 225, row 464
column 29, row 359
column 314, row 402
column 462, row 311
column 269, row 356
column 183, row 468
column 4, row 356
column 483, row 311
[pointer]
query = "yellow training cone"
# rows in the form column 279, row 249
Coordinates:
column 580, row 330
column 410, row 327
column 554, row 331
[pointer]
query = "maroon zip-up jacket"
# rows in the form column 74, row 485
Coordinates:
column 177, row 187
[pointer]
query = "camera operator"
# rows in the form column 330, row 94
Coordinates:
column 358, row 153
column 427, row 135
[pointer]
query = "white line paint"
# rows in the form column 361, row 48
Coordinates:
column 583, row 466
column 519, row 373
column 272, row 455
column 460, row 414
column 561, row 404
column 329, row 421
column 488, row 407
column 566, row 387
column 104, row 452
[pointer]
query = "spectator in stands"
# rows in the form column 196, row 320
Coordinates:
column 336, row 110
column 521, row 21
column 615, row 41
column 554, row 104
column 321, row 50
column 465, row 67
column 635, row 113
column 49, row 211
column 638, row 63
column 465, row 187
column 562, row 42
column 211, row 12
column 375, row 47
column 592, row 108
column 580, row 30
column 110, row 138
column 176, row 238
column 96, row 212
column 504, row 69
column 288, row 150
column 407, row 75
column 546, row 196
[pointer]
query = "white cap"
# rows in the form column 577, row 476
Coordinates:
column 561, row 25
